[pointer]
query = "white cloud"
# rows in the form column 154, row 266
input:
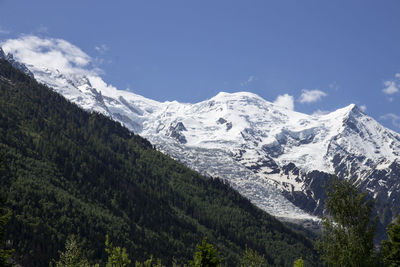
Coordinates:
column 101, row 48
column 286, row 101
column 393, row 118
column 363, row 108
column 390, row 87
column 55, row 54
column 249, row 80
column 310, row 96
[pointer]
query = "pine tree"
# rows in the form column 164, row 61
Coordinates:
column 151, row 262
column 347, row 238
column 5, row 214
column 72, row 256
column 205, row 256
column 5, row 253
column 251, row 258
column 117, row 256
column 390, row 249
column 298, row 263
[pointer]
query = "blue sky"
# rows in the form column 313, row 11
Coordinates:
column 319, row 55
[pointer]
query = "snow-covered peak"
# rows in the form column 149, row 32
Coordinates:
column 238, row 136
column 224, row 96
column 349, row 111
column 241, row 123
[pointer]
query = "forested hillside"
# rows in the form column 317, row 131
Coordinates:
column 71, row 172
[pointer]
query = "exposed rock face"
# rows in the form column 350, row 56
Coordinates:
column 221, row 121
column 175, row 131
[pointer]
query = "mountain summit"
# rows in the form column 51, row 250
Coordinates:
column 280, row 159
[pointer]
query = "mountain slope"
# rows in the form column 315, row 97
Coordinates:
column 280, row 159
column 72, row 172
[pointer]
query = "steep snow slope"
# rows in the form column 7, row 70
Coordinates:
column 265, row 151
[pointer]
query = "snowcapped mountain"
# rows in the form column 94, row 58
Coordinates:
column 9, row 57
column 278, row 158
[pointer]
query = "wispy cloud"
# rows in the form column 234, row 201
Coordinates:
column 334, row 86
column 391, row 87
column 286, row 101
column 310, row 96
column 251, row 79
column 56, row 54
column 363, row 108
column 102, row 49
column 395, row 119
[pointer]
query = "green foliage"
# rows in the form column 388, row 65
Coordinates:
column 117, row 256
column 347, row 238
column 151, row 262
column 176, row 264
column 70, row 171
column 5, row 253
column 251, row 258
column 205, row 255
column 390, row 249
column 298, row 263
column 72, row 256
